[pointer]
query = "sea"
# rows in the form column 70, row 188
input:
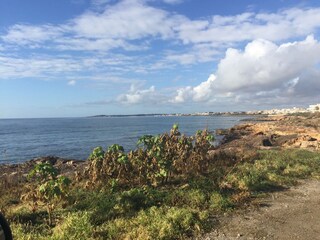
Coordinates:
column 75, row 138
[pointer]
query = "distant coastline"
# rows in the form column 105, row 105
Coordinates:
column 310, row 109
column 175, row 114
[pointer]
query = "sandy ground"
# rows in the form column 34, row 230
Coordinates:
column 290, row 214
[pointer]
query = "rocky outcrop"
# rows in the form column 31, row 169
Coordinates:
column 279, row 132
column 13, row 174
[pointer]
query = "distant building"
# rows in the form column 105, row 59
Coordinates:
column 311, row 108
column 314, row 108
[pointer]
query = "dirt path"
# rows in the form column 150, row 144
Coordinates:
column 289, row 214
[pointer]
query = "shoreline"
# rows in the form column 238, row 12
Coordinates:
column 270, row 132
column 70, row 143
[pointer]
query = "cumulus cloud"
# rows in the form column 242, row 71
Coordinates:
column 136, row 95
column 264, row 65
column 202, row 92
column 263, row 69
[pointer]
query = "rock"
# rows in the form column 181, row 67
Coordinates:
column 13, row 174
column 266, row 142
column 222, row 131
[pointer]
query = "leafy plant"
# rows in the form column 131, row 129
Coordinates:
column 49, row 188
column 107, row 165
column 156, row 160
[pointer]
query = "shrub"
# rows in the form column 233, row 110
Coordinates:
column 49, row 189
column 156, row 160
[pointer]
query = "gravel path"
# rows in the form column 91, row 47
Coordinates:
column 289, row 214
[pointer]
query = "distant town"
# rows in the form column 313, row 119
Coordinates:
column 311, row 109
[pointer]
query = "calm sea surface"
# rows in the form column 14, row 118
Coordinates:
column 24, row 139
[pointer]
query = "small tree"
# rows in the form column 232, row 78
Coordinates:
column 49, row 188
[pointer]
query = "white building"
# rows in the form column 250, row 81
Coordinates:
column 314, row 108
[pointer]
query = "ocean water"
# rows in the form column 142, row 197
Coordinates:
column 75, row 138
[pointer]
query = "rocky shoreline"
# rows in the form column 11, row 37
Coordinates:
column 275, row 132
column 13, row 174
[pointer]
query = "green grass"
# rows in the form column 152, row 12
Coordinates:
column 154, row 223
column 175, row 211
column 274, row 168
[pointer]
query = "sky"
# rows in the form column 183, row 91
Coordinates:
column 73, row 58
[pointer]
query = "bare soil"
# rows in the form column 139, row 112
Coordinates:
column 289, row 214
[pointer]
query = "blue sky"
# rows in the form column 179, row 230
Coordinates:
column 68, row 58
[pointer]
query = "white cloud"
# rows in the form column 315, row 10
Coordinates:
column 115, row 26
column 262, row 70
column 27, row 34
column 98, row 3
column 202, row 92
column 72, row 82
column 247, row 26
column 44, row 66
column 15, row 67
column 120, row 24
column 81, row 44
column 264, row 65
column 173, row 1
column 136, row 96
column 128, row 19
column 198, row 54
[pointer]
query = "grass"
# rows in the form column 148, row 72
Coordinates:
column 274, row 168
column 154, row 223
column 175, row 211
